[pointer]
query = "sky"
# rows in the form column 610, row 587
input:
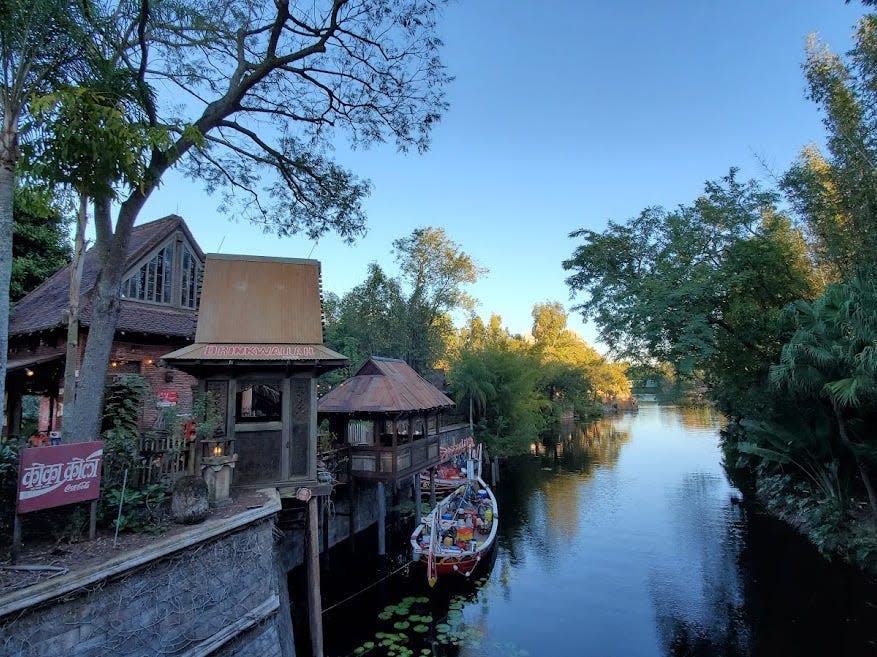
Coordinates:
column 566, row 115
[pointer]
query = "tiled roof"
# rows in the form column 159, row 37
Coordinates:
column 384, row 385
column 42, row 309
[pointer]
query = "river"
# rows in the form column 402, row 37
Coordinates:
column 623, row 537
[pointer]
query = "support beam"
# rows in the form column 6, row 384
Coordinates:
column 315, row 607
column 382, row 519
column 418, row 506
column 432, row 500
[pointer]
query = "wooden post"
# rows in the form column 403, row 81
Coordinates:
column 92, row 520
column 432, row 501
column 382, row 520
column 324, row 518
column 418, row 506
column 315, row 606
column 353, row 495
column 494, row 471
column 16, row 539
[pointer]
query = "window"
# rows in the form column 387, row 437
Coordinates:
column 258, row 402
column 191, row 283
column 153, row 281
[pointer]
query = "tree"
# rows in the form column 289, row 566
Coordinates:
column 368, row 320
column 39, row 42
column 472, row 383
column 832, row 359
column 95, row 138
column 262, row 90
column 836, row 194
column 435, row 270
column 701, row 287
column 40, row 244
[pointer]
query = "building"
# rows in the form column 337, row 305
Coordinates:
column 160, row 296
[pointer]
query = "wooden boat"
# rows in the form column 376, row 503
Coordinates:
column 452, row 472
column 455, row 536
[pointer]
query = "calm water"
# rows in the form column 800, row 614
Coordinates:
column 620, row 538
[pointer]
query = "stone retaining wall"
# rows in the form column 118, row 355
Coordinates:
column 214, row 590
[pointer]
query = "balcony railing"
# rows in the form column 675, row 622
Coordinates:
column 379, row 462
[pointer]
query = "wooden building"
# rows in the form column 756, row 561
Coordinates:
column 159, row 302
column 391, row 417
column 258, row 349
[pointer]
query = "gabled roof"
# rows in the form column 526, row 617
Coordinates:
column 42, row 308
column 384, row 385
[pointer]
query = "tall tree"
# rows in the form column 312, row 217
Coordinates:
column 435, row 270
column 701, row 287
column 94, row 139
column 39, row 41
column 40, row 242
column 255, row 94
column 836, row 193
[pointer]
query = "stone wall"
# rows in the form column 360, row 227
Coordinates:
column 215, row 590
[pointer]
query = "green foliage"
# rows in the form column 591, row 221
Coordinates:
column 406, row 317
column 206, row 411
column 836, row 194
column 93, row 138
column 39, row 238
column 701, row 287
column 121, row 428
column 144, row 510
column 8, row 485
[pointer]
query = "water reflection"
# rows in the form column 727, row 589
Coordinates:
column 624, row 537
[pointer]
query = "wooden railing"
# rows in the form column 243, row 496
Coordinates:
column 378, row 462
column 164, row 456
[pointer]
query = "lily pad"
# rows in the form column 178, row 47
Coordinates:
column 420, row 628
column 401, row 625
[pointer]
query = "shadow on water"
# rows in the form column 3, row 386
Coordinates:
column 622, row 537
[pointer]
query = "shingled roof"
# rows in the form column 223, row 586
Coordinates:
column 384, row 385
column 43, row 308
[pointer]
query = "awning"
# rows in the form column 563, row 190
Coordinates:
column 21, row 363
column 208, row 351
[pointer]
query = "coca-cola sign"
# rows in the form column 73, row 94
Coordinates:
column 58, row 475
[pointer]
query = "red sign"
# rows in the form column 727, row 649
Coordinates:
column 168, row 397
column 58, row 475
column 263, row 350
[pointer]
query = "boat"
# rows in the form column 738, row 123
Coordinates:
column 457, row 535
column 452, row 472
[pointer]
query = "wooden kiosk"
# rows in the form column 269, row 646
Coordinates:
column 259, row 348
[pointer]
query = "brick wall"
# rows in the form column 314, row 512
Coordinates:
column 125, row 357
column 222, row 596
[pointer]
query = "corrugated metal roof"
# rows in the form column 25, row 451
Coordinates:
column 384, row 385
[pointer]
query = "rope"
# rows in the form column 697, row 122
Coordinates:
column 375, row 583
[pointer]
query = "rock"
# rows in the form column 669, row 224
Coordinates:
column 189, row 504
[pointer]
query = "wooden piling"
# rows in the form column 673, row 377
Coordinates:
column 432, row 501
column 382, row 520
column 315, row 606
column 418, row 498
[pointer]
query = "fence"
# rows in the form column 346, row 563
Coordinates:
column 165, row 456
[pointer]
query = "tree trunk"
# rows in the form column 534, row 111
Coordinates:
column 71, row 363
column 8, row 155
column 865, row 474
column 112, row 250
column 471, row 432
column 864, row 471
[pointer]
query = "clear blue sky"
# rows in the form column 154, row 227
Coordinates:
column 565, row 115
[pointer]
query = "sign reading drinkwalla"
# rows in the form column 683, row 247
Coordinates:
column 59, row 475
